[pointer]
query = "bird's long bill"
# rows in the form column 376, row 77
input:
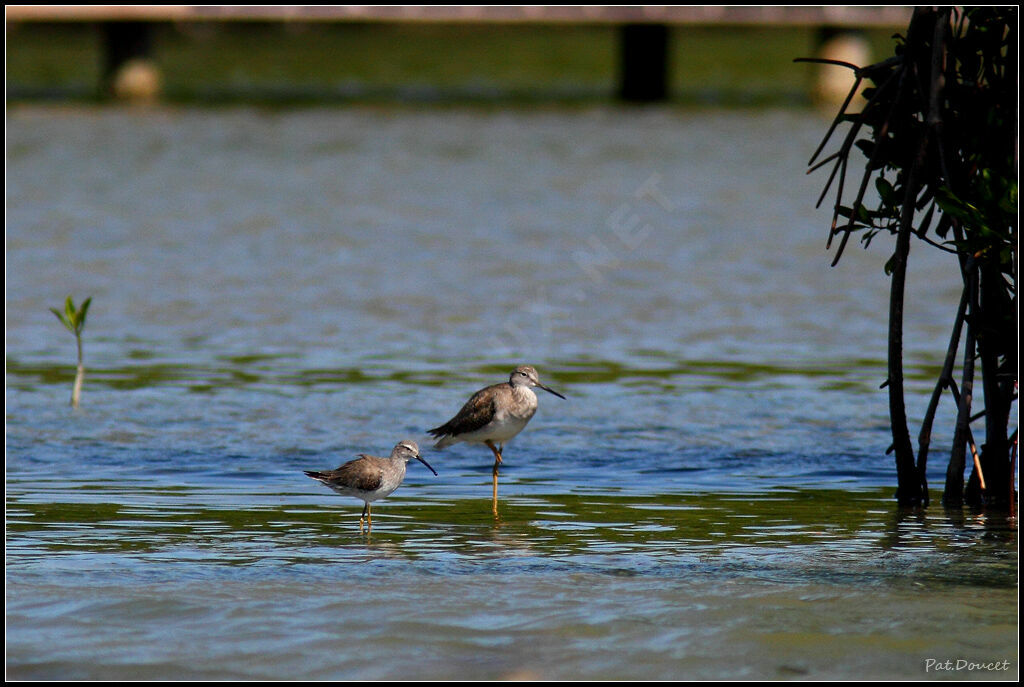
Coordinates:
column 552, row 391
column 427, row 464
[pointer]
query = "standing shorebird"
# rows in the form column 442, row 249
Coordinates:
column 494, row 415
column 371, row 478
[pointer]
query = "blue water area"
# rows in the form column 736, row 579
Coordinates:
column 278, row 291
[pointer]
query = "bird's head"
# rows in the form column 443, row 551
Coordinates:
column 408, row 450
column 526, row 375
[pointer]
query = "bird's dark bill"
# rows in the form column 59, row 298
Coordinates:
column 552, row 391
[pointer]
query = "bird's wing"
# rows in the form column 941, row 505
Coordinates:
column 361, row 474
column 478, row 411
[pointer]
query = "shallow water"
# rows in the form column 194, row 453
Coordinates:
column 277, row 291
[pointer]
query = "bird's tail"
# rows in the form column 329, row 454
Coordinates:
column 445, row 441
column 444, row 435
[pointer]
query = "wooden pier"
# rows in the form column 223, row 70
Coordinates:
column 644, row 34
column 856, row 16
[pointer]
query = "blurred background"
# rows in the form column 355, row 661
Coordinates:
column 690, row 54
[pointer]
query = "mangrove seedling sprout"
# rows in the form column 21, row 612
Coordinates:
column 74, row 319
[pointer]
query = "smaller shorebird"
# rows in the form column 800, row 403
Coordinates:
column 371, row 478
column 494, row 415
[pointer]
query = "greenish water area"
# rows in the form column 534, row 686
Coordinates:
column 230, row 583
column 278, row 290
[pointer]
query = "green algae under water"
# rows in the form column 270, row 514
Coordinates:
column 193, row 583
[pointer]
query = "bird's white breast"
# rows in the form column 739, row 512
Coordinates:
column 391, row 479
column 510, row 418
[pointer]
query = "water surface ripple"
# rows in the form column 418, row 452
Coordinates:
column 276, row 291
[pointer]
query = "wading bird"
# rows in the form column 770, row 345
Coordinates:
column 493, row 415
column 371, row 478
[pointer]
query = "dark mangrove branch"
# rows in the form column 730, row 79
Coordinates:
column 924, row 438
column 938, row 132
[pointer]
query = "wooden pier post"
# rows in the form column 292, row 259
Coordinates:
column 832, row 83
column 643, row 62
column 129, row 72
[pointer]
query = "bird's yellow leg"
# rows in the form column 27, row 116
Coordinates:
column 494, row 449
column 369, row 518
column 497, row 462
column 494, row 496
column 365, row 509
